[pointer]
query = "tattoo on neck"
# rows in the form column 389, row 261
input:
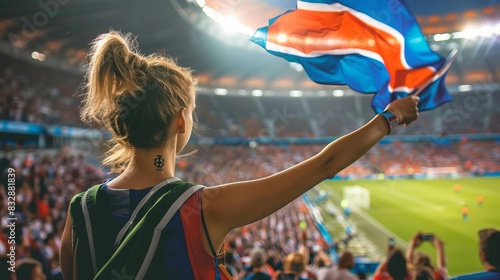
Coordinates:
column 159, row 162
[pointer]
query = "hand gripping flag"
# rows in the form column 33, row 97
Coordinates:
column 372, row 46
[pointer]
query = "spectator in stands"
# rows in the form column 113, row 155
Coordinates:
column 5, row 273
column 424, row 270
column 150, row 133
column 296, row 264
column 29, row 269
column 231, row 264
column 273, row 259
column 489, row 254
column 394, row 267
column 421, row 263
column 323, row 264
column 397, row 266
column 257, row 270
column 342, row 270
column 424, row 273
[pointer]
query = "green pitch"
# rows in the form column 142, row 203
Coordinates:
column 433, row 206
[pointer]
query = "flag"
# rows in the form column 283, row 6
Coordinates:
column 372, row 46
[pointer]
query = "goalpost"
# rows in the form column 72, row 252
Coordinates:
column 442, row 172
column 358, row 196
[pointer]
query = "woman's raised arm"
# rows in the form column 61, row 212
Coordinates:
column 232, row 205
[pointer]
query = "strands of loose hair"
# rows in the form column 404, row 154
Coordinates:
column 133, row 96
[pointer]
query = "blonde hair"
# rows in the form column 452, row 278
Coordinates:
column 135, row 97
column 422, row 259
column 295, row 262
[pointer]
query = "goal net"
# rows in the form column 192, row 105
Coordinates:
column 358, row 196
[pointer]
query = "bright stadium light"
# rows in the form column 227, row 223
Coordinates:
column 252, row 144
column 469, row 33
column 464, row 88
column 442, row 37
column 220, row 91
column 228, row 23
column 247, row 31
column 38, row 56
column 457, row 35
column 257, row 92
column 338, row 93
column 201, row 3
column 296, row 93
column 231, row 24
column 497, row 29
column 486, row 31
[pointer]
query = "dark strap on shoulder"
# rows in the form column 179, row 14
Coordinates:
column 218, row 258
column 214, row 254
column 84, row 244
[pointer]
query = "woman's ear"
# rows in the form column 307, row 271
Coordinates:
column 181, row 120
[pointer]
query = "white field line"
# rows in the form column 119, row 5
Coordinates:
column 415, row 199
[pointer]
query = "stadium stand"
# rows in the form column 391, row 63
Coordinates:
column 41, row 95
column 47, row 96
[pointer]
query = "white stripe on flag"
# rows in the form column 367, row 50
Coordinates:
column 288, row 50
column 400, row 89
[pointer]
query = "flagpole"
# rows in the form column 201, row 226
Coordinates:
column 446, row 66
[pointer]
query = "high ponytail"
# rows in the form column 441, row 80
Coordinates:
column 125, row 90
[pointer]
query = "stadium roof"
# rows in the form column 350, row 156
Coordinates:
column 63, row 29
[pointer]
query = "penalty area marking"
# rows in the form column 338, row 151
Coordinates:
column 374, row 222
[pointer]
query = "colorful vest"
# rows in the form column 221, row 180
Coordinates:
column 154, row 233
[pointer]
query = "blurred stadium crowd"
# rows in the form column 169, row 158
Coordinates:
column 398, row 159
